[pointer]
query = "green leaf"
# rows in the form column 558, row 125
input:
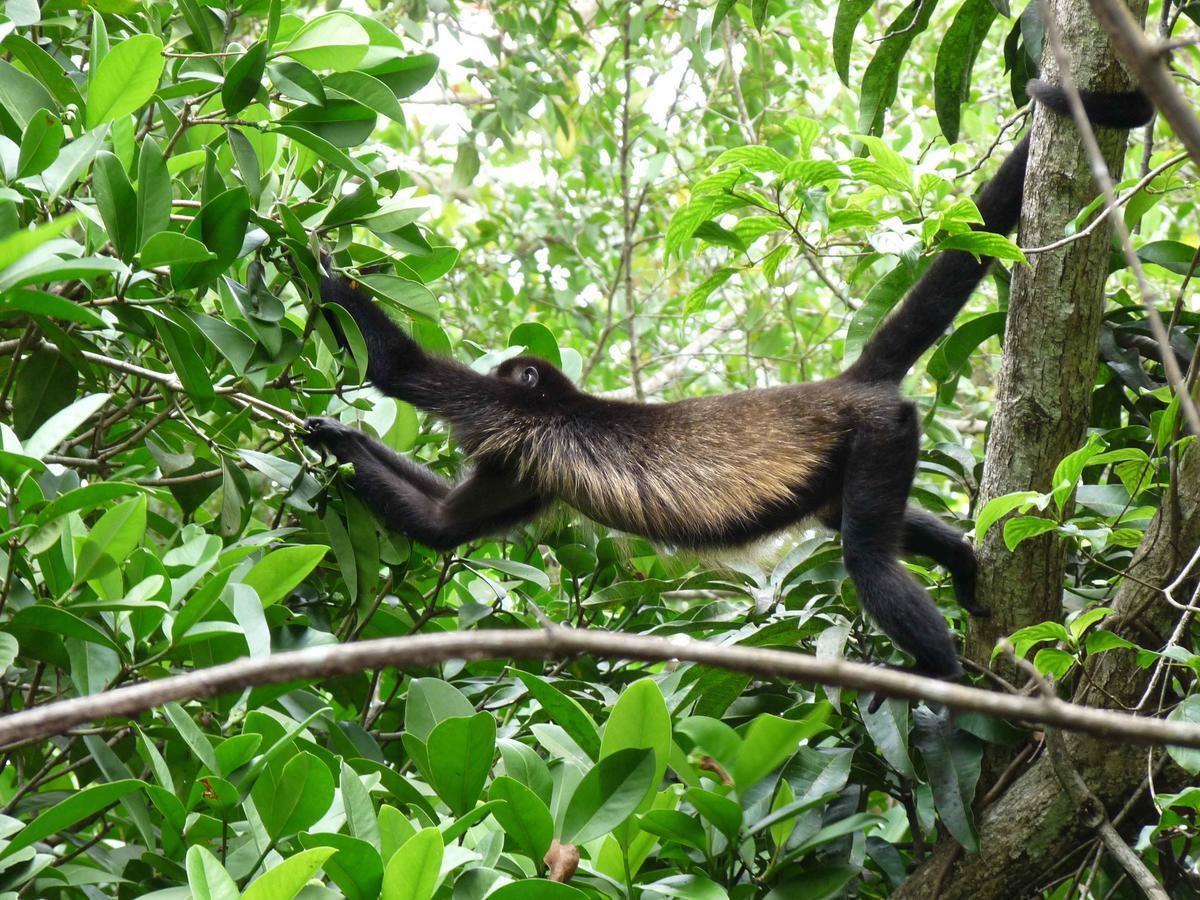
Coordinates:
column 153, row 193
column 954, row 353
column 771, row 740
column 117, row 203
column 39, row 303
column 221, row 226
column 22, row 95
column 332, row 41
column 297, row 82
column 40, row 144
column 125, row 79
column 78, row 806
column 1022, row 528
column 955, row 60
column 722, row 812
column 998, row 507
column 1070, row 469
column 982, row 244
column 673, row 825
column 286, row 880
column 849, row 14
column 412, row 872
column 536, row 889
column 23, row 242
column 207, row 878
column 410, row 296
column 191, row 370
column 294, row 796
column 1188, row 711
column 430, row 701
column 276, row 574
column 883, row 73
column 60, row 426
column 754, row 158
column 696, row 299
column 523, row 816
column 461, row 751
column 565, row 711
column 608, row 795
column 952, row 765
column 244, row 79
column 640, row 721
column 367, row 90
column 112, row 539
column 538, row 340
column 170, row 248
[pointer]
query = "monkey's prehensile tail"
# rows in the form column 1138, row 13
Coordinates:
column 936, row 298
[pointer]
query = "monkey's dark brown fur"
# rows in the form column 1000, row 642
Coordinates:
column 706, row 472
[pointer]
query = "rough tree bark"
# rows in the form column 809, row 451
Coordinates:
column 1033, row 832
column 1050, row 338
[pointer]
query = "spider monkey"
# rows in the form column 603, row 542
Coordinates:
column 707, row 472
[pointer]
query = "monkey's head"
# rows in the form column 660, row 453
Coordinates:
column 535, row 378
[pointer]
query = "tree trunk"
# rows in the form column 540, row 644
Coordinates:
column 1050, row 339
column 1032, row 834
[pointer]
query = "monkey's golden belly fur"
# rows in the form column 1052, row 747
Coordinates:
column 702, row 472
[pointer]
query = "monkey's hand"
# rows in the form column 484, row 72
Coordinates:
column 323, row 433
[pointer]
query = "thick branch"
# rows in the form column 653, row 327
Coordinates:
column 560, row 643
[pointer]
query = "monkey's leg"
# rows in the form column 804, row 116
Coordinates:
column 927, row 535
column 879, row 473
column 415, row 502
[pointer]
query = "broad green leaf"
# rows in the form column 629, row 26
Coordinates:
column 195, row 739
column 286, row 880
column 63, row 424
column 294, row 797
column 983, row 244
column 408, row 295
column 153, row 194
column 770, row 740
column 430, row 701
column 1022, row 528
column 998, row 507
column 849, row 14
column 536, row 889
column 564, row 710
column 276, row 574
column 74, row 809
column 523, row 816
column 956, row 59
column 538, row 340
column 117, row 203
column 40, row 144
column 112, row 539
column 125, row 79
column 21, row 243
column 461, row 751
column 207, row 878
column 640, row 721
column 40, row 303
column 332, row 41
column 608, row 795
column 412, row 872
column 722, row 812
column 170, row 248
column 244, row 79
column 882, row 76
column 952, row 764
column 1188, row 711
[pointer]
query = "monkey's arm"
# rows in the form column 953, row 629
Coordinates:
column 398, row 366
column 412, row 500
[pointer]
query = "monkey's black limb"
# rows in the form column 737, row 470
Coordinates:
column 879, row 473
column 412, row 500
column 926, row 535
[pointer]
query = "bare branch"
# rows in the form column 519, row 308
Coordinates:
column 563, row 643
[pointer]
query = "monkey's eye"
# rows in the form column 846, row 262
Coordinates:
column 529, row 376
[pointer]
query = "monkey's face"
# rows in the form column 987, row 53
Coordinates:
column 534, row 378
